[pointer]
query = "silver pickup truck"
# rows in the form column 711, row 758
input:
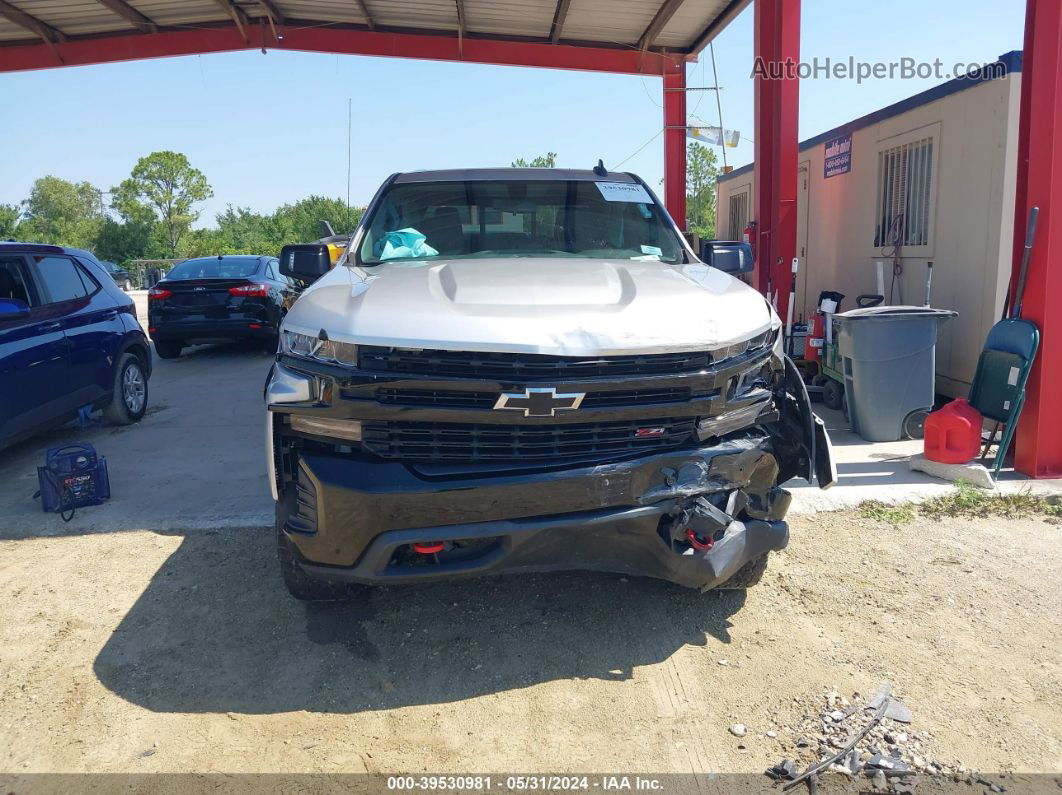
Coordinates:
column 530, row 370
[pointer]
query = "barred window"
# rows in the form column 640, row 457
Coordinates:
column 738, row 218
column 905, row 174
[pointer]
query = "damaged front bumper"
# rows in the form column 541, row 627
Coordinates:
column 694, row 515
column 360, row 520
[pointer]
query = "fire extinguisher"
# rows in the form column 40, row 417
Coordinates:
column 749, row 236
column 829, row 303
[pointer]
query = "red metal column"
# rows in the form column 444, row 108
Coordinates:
column 1039, row 184
column 777, row 51
column 675, row 141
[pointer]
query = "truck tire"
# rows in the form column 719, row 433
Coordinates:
column 748, row 575
column 129, row 394
column 168, row 349
column 299, row 584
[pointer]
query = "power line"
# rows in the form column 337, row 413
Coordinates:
column 348, row 156
column 639, row 149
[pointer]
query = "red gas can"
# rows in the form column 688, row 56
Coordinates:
column 953, row 434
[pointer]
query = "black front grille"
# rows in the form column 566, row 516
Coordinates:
column 486, row 400
column 526, row 366
column 436, row 441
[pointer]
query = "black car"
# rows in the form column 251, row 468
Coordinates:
column 120, row 275
column 219, row 299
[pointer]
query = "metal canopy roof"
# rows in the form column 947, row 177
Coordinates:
column 676, row 27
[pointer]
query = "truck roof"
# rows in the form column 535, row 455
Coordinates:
column 474, row 174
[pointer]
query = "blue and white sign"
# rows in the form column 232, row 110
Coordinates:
column 837, row 156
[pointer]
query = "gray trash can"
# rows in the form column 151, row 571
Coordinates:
column 888, row 357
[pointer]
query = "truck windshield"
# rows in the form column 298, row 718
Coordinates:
column 519, row 218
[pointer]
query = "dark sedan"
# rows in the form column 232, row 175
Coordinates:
column 120, row 275
column 219, row 299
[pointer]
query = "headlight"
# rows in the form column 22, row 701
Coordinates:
column 757, row 343
column 309, row 347
column 326, row 426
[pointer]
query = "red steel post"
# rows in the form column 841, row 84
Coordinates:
column 1039, row 184
column 675, row 141
column 777, row 52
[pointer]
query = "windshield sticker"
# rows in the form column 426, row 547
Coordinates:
column 653, row 250
column 624, row 192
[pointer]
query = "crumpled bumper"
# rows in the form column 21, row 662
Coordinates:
column 357, row 519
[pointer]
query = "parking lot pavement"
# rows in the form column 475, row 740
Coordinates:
column 196, row 460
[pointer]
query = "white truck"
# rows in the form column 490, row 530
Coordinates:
column 530, row 370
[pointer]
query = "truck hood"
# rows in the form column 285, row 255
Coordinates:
column 559, row 306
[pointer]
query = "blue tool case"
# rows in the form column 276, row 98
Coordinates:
column 72, row 477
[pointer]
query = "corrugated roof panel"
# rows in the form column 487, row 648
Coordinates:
column 613, row 21
column 346, row 11
column 689, row 22
column 427, row 14
column 180, row 12
column 9, row 31
column 608, row 21
column 74, row 16
column 510, row 17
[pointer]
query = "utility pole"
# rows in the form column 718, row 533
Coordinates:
column 348, row 154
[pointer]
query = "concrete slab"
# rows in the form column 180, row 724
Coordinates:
column 881, row 471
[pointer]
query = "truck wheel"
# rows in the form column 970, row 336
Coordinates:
column 747, row 576
column 832, row 394
column 299, row 584
column 168, row 349
column 130, row 393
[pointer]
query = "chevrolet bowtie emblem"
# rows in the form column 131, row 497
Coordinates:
column 539, row 401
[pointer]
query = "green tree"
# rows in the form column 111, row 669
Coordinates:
column 10, row 214
column 548, row 160
column 62, row 212
column 167, row 186
column 702, row 168
column 129, row 239
column 241, row 231
column 301, row 222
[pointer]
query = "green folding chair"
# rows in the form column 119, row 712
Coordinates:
column 998, row 389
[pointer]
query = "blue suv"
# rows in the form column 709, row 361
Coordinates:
column 69, row 338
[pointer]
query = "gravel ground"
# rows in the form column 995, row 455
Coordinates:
column 142, row 652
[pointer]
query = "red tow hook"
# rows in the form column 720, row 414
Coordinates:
column 697, row 543
column 429, row 548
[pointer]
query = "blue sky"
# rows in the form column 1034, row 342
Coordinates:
column 269, row 129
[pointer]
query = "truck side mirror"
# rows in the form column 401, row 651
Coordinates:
column 306, row 262
column 729, row 256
